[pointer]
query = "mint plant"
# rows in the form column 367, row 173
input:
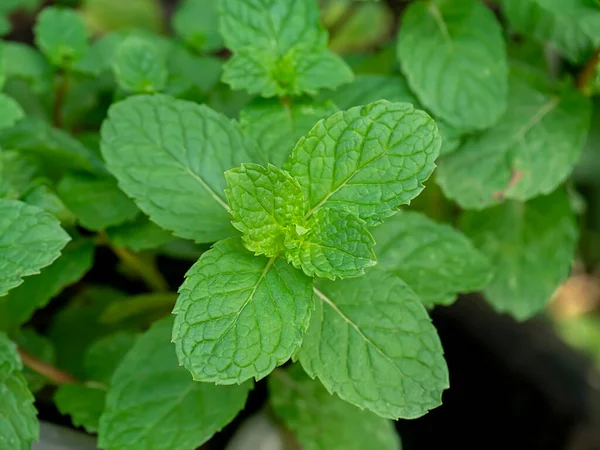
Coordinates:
column 243, row 201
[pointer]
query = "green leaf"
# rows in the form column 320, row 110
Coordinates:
column 17, row 174
column 190, row 74
column 434, row 259
column 239, row 316
column 139, row 235
column 529, row 152
column 371, row 341
column 367, row 160
column 139, row 308
column 531, row 246
column 96, row 201
column 84, row 404
column 30, row 239
column 139, row 66
column 169, row 156
column 266, row 205
column 179, row 414
column 277, row 125
column 103, row 356
column 321, row 421
column 61, row 35
column 196, row 23
column 45, row 198
column 41, row 347
column 107, row 15
column 10, row 111
column 334, row 244
column 18, row 422
column 20, row 61
column 453, row 55
column 18, row 306
column 277, row 56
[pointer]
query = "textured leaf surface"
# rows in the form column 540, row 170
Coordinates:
column 276, row 126
column 239, row 316
column 453, row 55
column 266, row 204
column 139, row 66
column 162, row 408
column 18, row 306
column 141, row 234
column 322, row 421
column 531, row 246
column 61, row 35
column 18, row 422
column 30, row 239
column 96, row 201
column 336, row 244
column 10, row 111
column 279, row 48
column 169, row 156
column 529, row 152
column 84, row 404
column 371, row 341
column 367, row 160
column 435, row 260
column 195, row 21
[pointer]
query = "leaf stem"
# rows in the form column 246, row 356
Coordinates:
column 59, row 99
column 147, row 272
column 587, row 73
column 55, row 375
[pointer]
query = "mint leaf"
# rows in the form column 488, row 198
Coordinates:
column 84, row 404
column 180, row 413
column 191, row 75
column 96, row 201
column 103, row 356
column 387, row 151
column 169, row 156
column 266, row 204
column 277, row 56
column 17, row 174
column 41, row 347
column 18, row 422
column 61, row 35
column 239, row 316
column 18, row 306
column 434, row 259
column 529, row 152
column 10, row 111
column 19, row 61
column 453, row 55
column 139, row 308
column 530, row 245
column 334, row 244
column 139, row 235
column 139, row 66
column 277, row 125
column 195, row 22
column 30, row 239
column 371, row 341
column 45, row 198
column 322, row 421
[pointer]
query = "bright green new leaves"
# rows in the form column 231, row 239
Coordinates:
column 162, row 407
column 266, row 205
column 96, row 201
column 10, row 111
column 531, row 246
column 371, row 341
column 529, row 152
column 454, row 57
column 140, row 66
column 276, row 125
column 435, row 260
column 30, row 239
column 367, row 160
column 61, row 35
column 18, row 422
column 238, row 315
column 279, row 48
column 169, row 156
column 195, row 21
column 322, row 421
column 84, row 404
column 333, row 244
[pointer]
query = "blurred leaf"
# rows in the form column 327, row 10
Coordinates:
column 196, row 23
column 40, row 347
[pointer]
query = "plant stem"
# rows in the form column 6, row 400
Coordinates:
column 588, row 72
column 59, row 99
column 55, row 375
column 147, row 272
